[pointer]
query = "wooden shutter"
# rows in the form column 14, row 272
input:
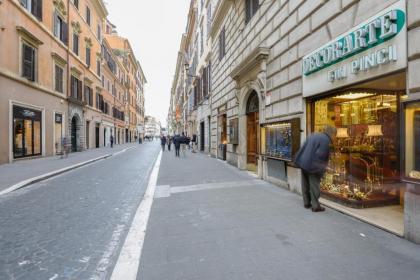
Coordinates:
column 64, row 32
column 28, row 62
column 79, row 90
column 37, row 9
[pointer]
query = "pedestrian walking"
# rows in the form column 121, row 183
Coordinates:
column 65, row 147
column 111, row 139
column 194, row 143
column 177, row 144
column 163, row 142
column 184, row 143
column 169, row 141
column 313, row 159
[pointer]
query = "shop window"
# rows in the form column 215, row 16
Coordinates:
column 27, row 132
column 28, row 61
column 412, row 144
column 364, row 164
column 58, row 127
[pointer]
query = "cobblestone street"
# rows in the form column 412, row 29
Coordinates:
column 72, row 226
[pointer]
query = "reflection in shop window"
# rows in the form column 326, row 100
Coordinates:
column 364, row 163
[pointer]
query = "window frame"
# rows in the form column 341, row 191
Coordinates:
column 251, row 8
column 76, row 47
column 34, row 62
column 56, row 65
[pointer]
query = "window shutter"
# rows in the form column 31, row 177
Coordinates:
column 28, row 62
column 37, row 9
column 64, row 32
column 79, row 89
column 56, row 25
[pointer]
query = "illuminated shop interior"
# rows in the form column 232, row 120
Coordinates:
column 364, row 167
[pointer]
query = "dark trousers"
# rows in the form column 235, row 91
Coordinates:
column 177, row 151
column 169, row 147
column 163, row 147
column 112, row 144
column 310, row 189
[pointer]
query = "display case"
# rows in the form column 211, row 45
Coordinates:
column 233, row 132
column 363, row 170
column 412, row 141
column 282, row 139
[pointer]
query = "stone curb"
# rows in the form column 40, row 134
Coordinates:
column 54, row 173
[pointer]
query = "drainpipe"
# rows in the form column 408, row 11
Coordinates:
column 68, row 70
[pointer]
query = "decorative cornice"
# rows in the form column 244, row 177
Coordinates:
column 88, row 42
column 58, row 58
column 250, row 62
column 76, row 71
column 29, row 36
column 221, row 11
column 60, row 6
column 76, row 27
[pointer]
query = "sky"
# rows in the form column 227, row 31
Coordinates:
column 154, row 28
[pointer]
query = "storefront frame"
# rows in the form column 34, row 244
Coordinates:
column 400, row 150
column 13, row 103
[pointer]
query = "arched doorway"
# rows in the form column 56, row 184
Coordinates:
column 75, row 133
column 253, row 131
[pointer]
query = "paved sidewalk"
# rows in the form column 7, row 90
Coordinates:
column 212, row 221
column 21, row 170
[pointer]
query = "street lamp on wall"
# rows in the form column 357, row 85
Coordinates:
column 187, row 69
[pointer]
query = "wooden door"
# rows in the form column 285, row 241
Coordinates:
column 252, row 136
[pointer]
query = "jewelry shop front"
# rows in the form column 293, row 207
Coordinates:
column 355, row 83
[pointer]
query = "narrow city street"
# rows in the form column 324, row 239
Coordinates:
column 72, row 226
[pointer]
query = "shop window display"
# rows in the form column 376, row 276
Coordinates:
column 282, row 139
column 364, row 164
column 412, row 145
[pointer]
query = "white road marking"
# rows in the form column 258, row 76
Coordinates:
column 129, row 260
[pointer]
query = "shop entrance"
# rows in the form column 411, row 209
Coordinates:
column 75, row 133
column 252, row 113
column 27, row 132
column 364, row 166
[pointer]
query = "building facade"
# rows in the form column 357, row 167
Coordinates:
column 52, row 79
column 281, row 70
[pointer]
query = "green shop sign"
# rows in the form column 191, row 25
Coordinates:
column 376, row 32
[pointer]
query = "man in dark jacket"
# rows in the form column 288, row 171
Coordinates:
column 313, row 158
column 177, row 143
column 163, row 142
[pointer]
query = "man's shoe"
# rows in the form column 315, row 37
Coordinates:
column 307, row 206
column 319, row 209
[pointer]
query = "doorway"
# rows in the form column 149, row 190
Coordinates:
column 202, row 137
column 97, row 135
column 252, row 114
column 75, row 131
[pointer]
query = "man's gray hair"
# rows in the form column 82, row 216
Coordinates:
column 330, row 130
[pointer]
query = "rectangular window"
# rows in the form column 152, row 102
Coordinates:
column 88, row 96
column 222, row 43
column 60, row 28
column 208, row 20
column 76, row 43
column 88, row 57
column 76, row 88
column 76, row 3
column 99, row 32
column 59, row 77
column 98, row 67
column 87, row 15
column 251, row 8
column 28, row 62
column 33, row 6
